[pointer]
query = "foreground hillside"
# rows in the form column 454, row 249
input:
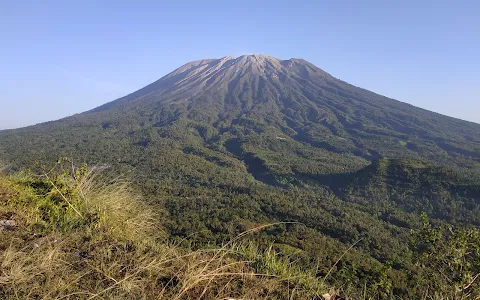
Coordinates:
column 73, row 233
column 69, row 234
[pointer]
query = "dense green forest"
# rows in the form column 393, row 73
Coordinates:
column 224, row 146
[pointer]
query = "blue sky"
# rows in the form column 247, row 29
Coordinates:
column 58, row 58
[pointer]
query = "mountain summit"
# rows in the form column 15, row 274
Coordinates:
column 226, row 74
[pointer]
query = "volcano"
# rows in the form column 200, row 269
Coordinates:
column 256, row 106
column 223, row 145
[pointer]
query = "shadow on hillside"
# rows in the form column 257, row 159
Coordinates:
column 255, row 165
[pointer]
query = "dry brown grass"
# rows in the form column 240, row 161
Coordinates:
column 120, row 254
column 118, row 208
column 68, row 267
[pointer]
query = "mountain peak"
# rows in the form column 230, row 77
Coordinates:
column 225, row 73
column 257, row 56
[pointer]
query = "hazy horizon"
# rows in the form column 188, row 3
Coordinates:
column 65, row 58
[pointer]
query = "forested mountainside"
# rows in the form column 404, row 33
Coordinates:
column 224, row 145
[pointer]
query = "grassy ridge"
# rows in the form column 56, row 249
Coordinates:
column 76, row 235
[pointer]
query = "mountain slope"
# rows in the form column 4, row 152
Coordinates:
column 294, row 94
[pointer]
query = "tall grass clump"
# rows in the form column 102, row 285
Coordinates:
column 65, row 198
column 116, row 205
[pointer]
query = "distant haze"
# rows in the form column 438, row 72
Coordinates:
column 60, row 58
